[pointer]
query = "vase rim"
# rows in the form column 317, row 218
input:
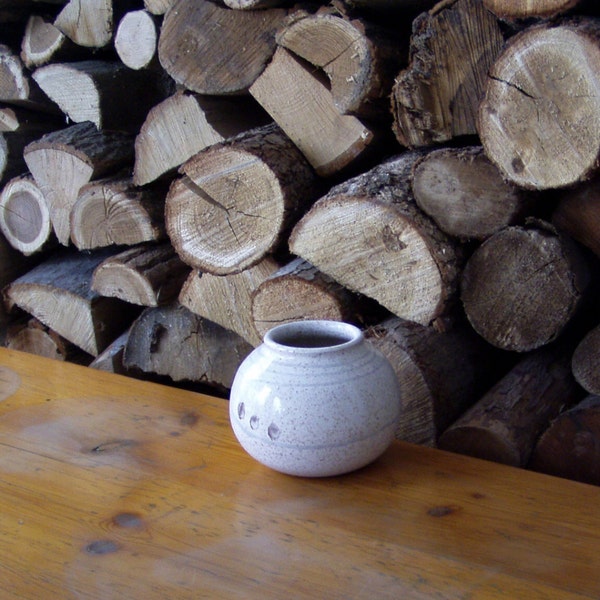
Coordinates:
column 313, row 335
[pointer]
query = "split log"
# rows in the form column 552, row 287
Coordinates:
column 63, row 161
column 213, row 50
column 586, row 361
column 18, row 119
column 136, row 39
column 254, row 4
column 109, row 94
column 58, row 293
column 436, row 98
column 111, row 358
column 113, row 211
column 441, row 374
column 465, row 194
column 173, row 341
column 147, row 275
column 570, row 447
column 237, row 200
column 512, row 10
column 227, row 299
column 369, row 235
column 302, row 105
column 158, row 7
column 538, row 120
column 505, row 424
column 24, row 216
column 185, row 123
column 523, row 286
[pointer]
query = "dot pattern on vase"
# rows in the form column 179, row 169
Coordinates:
column 273, row 431
column 254, row 422
column 241, row 410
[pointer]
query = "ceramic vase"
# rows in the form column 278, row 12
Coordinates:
column 315, row 399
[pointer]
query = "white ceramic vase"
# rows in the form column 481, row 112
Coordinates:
column 315, row 399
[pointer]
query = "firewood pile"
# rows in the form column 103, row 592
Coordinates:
column 178, row 176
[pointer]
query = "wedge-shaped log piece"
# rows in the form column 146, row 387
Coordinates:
column 369, row 235
column 148, row 275
column 237, row 201
column 111, row 358
column 58, row 293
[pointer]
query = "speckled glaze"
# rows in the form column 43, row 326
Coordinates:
column 315, row 399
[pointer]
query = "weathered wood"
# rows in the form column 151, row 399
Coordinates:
column 538, row 119
column 505, row 424
column 465, row 194
column 254, row 4
column 136, row 39
column 227, row 299
column 111, row 358
column 185, row 123
column 211, row 49
column 63, row 161
column 302, row 105
column 172, row 341
column 148, row 275
column 435, row 99
column 586, row 361
column 158, row 7
column 368, row 234
column 237, row 201
column 526, row 9
column 114, row 211
column 523, row 285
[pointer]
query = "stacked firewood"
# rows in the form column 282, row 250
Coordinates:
column 179, row 176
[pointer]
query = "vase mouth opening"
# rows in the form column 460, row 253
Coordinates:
column 311, row 336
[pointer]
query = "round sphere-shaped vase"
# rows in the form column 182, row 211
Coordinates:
column 315, row 399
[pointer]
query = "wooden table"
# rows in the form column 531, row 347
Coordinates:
column 114, row 488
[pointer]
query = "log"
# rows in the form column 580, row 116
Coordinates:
column 136, row 39
column 63, row 161
column 185, row 123
column 227, row 299
column 504, row 425
column 113, row 211
column 147, row 275
column 538, row 119
column 254, row 4
column 302, row 105
column 24, row 216
column 512, row 10
column 172, row 341
column 111, row 358
column 237, row 200
column 585, row 362
column 58, row 293
column 213, row 50
column 369, row 235
column 570, row 447
column 158, row 7
column 523, row 285
column 435, row 99
column 465, row 194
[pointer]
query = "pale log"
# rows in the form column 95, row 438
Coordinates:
column 136, row 39
column 369, row 235
column 254, row 4
column 158, row 7
column 585, row 362
column 237, row 201
column 211, row 49
column 147, row 275
column 300, row 102
column 227, row 299
column 173, row 341
column 435, row 99
column 523, row 286
column 114, row 211
column 63, row 161
column 511, row 10
column 58, row 293
column 538, row 120
column 465, row 194
column 24, row 216
column 185, row 123
column 504, row 425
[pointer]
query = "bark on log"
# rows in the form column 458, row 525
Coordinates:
column 302, row 105
column 586, row 361
column 147, row 275
column 24, row 216
column 136, row 39
column 538, row 120
column 369, row 235
column 570, row 447
column 227, row 299
column 511, row 10
column 185, row 123
column 63, row 161
column 237, row 200
column 175, row 342
column 58, row 293
column 505, row 424
column 214, row 50
column 451, row 49
column 465, row 194
column 113, row 211
column 523, row 285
